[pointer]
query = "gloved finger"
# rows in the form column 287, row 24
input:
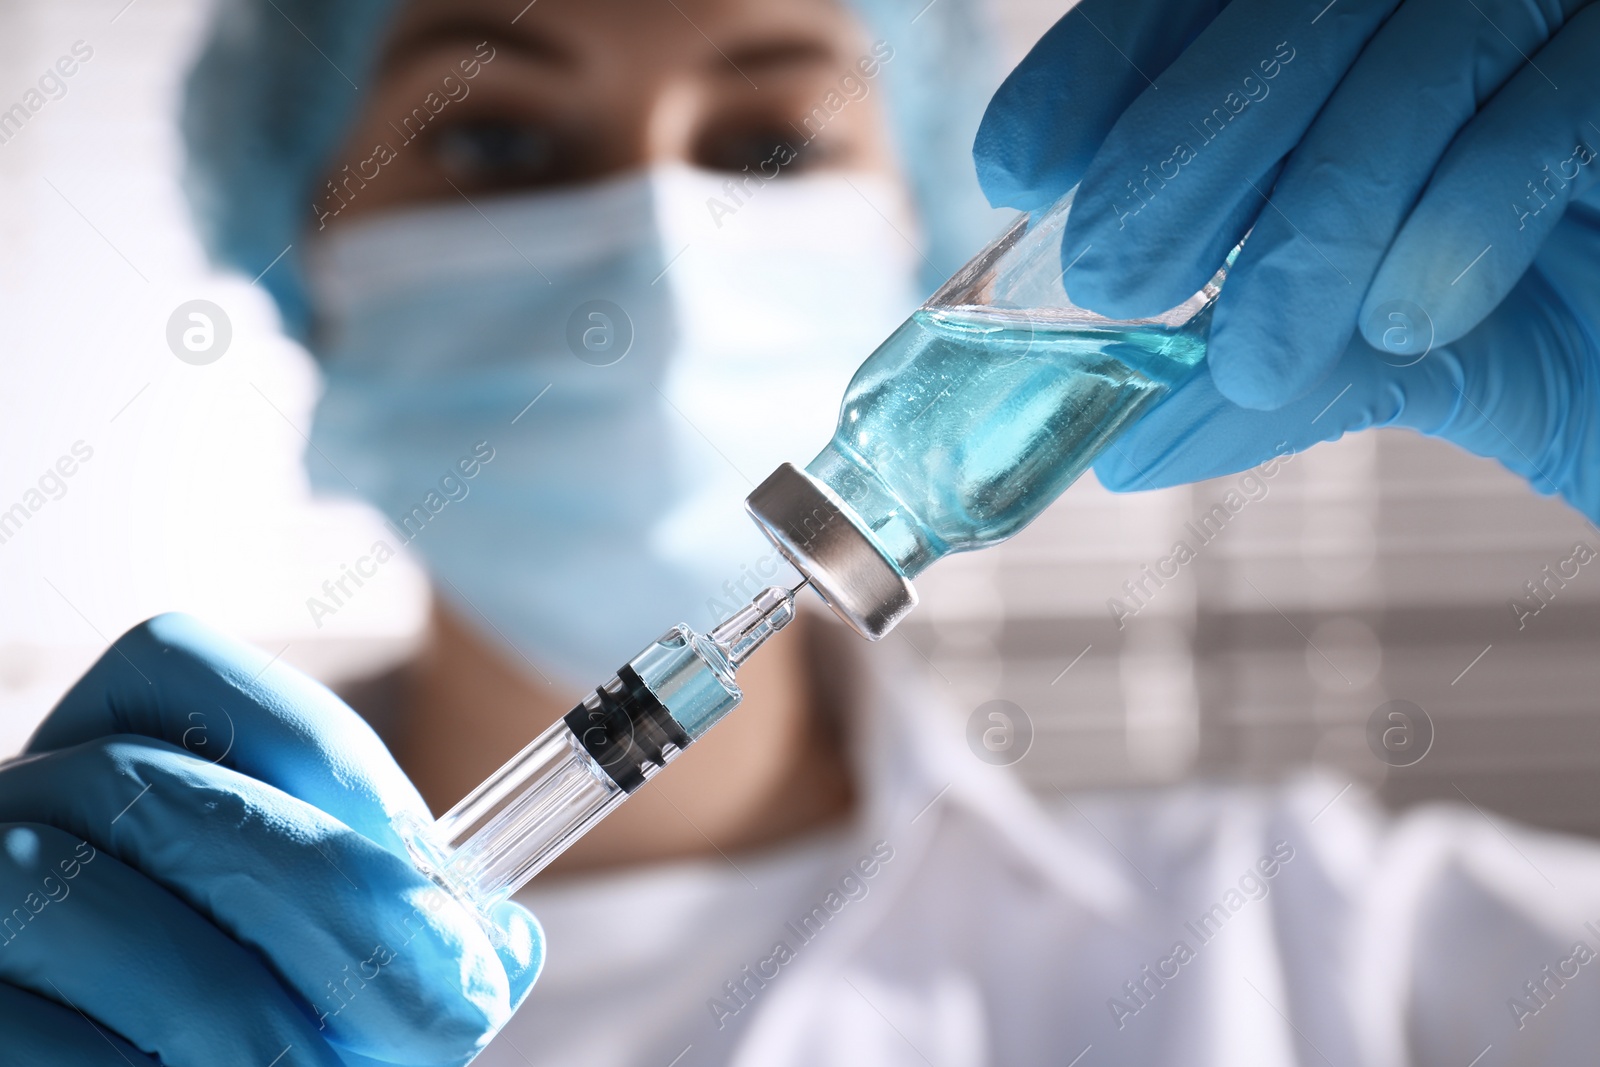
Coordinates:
column 522, row 953
column 41, row 1031
column 174, row 679
column 1197, row 433
column 1521, row 388
column 1295, row 293
column 1501, row 188
column 93, row 935
column 1049, row 116
column 1529, row 391
column 1186, row 167
column 519, row 942
column 389, row 963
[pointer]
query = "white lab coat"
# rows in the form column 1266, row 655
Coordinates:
column 1195, row 926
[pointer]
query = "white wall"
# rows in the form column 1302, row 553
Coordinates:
column 194, row 499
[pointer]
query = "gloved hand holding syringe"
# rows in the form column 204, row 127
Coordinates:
column 961, row 428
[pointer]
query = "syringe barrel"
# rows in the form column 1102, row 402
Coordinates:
column 523, row 816
column 551, row 793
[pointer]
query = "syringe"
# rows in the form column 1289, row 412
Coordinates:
column 576, row 773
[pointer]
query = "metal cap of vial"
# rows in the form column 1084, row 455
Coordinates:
column 825, row 540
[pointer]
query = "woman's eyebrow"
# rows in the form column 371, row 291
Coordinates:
column 469, row 31
column 786, row 52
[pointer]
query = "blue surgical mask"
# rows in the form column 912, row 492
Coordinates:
column 561, row 399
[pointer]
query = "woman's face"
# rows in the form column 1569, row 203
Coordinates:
column 574, row 91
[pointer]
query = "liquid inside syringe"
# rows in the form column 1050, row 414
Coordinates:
column 575, row 773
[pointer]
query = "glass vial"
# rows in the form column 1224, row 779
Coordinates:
column 976, row 414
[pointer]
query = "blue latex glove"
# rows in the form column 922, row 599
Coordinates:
column 199, row 867
column 1429, row 255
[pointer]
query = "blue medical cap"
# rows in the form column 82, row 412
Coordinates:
column 278, row 82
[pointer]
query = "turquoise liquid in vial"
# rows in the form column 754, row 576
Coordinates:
column 967, row 422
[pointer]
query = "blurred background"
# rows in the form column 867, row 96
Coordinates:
column 1384, row 567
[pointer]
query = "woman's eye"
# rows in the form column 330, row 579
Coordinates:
column 767, row 151
column 499, row 154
